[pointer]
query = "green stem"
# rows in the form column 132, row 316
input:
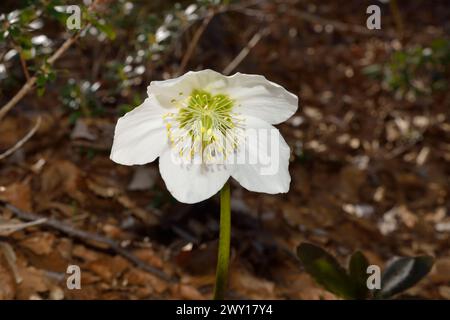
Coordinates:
column 223, row 258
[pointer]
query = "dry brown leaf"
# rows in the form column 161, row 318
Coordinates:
column 141, row 278
column 250, row 286
column 34, row 282
column 302, row 286
column 40, row 243
column 62, row 177
column 149, row 256
column 108, row 268
column 198, row 281
column 56, row 293
column 7, row 281
column 187, row 292
column 18, row 194
column 101, row 190
column 441, row 271
column 140, row 213
column 82, row 252
column 444, row 291
column 123, row 199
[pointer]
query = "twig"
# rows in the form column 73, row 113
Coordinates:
column 31, row 81
column 88, row 237
column 198, row 33
column 22, row 141
column 245, row 51
column 8, row 228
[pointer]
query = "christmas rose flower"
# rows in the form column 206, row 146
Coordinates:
column 200, row 124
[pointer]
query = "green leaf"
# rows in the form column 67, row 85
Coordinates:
column 27, row 15
column 40, row 91
column 358, row 273
column 61, row 17
column 28, row 54
column 41, row 80
column 326, row 270
column 403, row 273
column 106, row 29
column 24, row 41
column 14, row 31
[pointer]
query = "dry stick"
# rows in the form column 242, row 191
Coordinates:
column 8, row 228
column 88, row 237
column 31, row 81
column 194, row 42
column 245, row 51
column 22, row 141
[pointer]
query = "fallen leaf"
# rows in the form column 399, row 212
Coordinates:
column 7, row 282
column 250, row 286
column 441, row 271
column 34, row 282
column 18, row 194
column 187, row 292
column 142, row 278
column 62, row 177
column 444, row 291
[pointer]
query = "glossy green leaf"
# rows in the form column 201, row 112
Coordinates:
column 358, row 273
column 326, row 270
column 403, row 273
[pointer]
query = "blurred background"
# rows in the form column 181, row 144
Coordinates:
column 370, row 145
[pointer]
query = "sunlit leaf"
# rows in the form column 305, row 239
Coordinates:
column 326, row 270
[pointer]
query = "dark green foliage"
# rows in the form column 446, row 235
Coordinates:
column 418, row 70
column 400, row 275
column 125, row 41
column 325, row 269
column 403, row 273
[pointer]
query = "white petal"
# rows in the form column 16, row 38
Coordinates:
column 266, row 155
column 258, row 97
column 181, row 87
column 254, row 94
column 140, row 135
column 191, row 183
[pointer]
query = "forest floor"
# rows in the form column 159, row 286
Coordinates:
column 359, row 179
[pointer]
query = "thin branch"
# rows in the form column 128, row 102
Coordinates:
column 89, row 238
column 31, row 81
column 22, row 141
column 7, row 228
column 198, row 33
column 245, row 51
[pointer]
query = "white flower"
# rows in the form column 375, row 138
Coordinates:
column 206, row 127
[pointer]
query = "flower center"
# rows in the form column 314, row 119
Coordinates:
column 204, row 124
